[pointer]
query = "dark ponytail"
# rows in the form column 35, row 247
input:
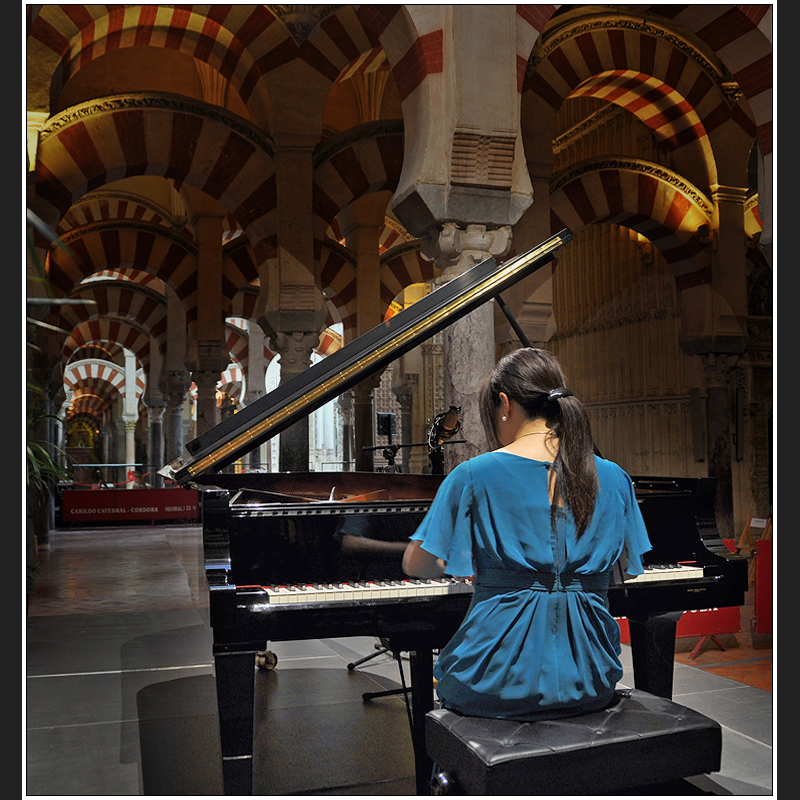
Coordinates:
column 534, row 379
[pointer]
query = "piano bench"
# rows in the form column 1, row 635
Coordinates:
column 640, row 739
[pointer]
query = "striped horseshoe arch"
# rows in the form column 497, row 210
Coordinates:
column 102, row 378
column 95, row 330
column 650, row 199
column 367, row 158
column 72, row 36
column 679, row 93
column 121, row 299
column 187, row 141
column 150, row 250
column 107, row 204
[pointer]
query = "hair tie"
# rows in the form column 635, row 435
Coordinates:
column 561, row 392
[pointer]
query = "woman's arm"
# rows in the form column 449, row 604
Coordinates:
column 419, row 563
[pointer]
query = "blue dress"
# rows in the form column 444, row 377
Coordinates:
column 537, row 641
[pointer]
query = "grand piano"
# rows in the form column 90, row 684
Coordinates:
column 292, row 556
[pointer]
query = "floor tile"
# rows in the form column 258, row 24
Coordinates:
column 120, row 695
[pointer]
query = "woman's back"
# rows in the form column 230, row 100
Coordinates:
column 538, row 640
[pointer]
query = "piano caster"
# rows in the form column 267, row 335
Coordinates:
column 266, row 659
column 442, row 785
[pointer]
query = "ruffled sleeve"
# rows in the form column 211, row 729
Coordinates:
column 637, row 541
column 446, row 530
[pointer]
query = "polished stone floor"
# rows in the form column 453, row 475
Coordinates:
column 119, row 690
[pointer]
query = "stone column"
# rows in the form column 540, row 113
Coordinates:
column 291, row 309
column 155, row 440
column 361, row 225
column 346, row 402
column 211, row 357
column 469, row 347
column 130, row 441
column 256, row 370
column 178, row 383
column 295, row 350
column 405, row 397
column 363, row 423
column 720, row 375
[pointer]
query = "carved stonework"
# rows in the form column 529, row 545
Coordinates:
column 454, row 249
column 720, row 369
column 295, row 349
column 482, row 160
column 157, row 102
column 300, row 20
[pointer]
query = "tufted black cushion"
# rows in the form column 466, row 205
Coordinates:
column 639, row 739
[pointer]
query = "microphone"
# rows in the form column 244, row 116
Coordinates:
column 444, row 427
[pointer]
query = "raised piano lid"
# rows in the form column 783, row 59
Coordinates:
column 269, row 415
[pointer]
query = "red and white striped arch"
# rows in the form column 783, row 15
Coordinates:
column 640, row 68
column 75, row 35
column 102, row 351
column 741, row 37
column 120, row 300
column 115, row 205
column 365, row 159
column 105, row 377
column 190, row 142
column 244, row 43
column 98, row 330
column 86, row 402
column 231, row 382
column 651, row 200
column 402, row 266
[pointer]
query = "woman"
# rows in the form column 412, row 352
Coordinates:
column 539, row 522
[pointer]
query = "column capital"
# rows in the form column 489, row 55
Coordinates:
column 719, row 368
column 455, row 249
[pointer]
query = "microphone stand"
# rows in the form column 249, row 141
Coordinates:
column 443, row 428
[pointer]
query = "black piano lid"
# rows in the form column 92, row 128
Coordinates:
column 269, row 415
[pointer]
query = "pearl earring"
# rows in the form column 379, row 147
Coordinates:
column 504, row 418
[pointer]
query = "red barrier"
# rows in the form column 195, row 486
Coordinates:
column 764, row 587
column 129, row 505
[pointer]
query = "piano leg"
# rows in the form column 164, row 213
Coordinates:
column 421, row 704
column 235, row 677
column 653, row 651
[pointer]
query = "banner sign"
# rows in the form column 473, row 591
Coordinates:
column 129, row 505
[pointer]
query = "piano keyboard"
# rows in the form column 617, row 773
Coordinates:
column 349, row 592
column 364, row 591
column 666, row 572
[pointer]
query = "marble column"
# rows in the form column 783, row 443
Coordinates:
column 256, row 370
column 178, row 383
column 130, row 441
column 720, row 375
column 346, row 401
column 155, row 440
column 363, row 418
column 405, row 397
column 469, row 346
column 295, row 350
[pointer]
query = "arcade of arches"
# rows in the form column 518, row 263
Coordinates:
column 237, row 190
